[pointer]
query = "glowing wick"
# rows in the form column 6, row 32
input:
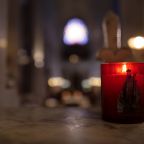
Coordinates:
column 124, row 68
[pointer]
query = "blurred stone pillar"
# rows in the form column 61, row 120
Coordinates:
column 39, row 79
column 8, row 47
column 13, row 37
column 25, row 52
column 3, row 45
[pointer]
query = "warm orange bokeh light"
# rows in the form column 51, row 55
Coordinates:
column 124, row 68
column 136, row 42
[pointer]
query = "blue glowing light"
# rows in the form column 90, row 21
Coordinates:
column 75, row 32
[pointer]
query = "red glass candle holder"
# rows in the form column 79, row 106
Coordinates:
column 122, row 88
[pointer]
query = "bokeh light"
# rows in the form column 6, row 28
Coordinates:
column 136, row 42
column 75, row 32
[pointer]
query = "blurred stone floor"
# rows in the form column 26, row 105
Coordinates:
column 64, row 126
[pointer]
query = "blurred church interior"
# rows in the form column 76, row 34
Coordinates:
column 51, row 50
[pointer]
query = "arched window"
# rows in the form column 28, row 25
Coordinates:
column 75, row 32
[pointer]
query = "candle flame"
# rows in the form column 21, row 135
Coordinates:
column 124, row 68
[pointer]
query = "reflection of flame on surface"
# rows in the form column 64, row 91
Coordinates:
column 124, row 68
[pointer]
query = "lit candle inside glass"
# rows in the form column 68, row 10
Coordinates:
column 122, row 91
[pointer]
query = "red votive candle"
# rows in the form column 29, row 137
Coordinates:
column 122, row 87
